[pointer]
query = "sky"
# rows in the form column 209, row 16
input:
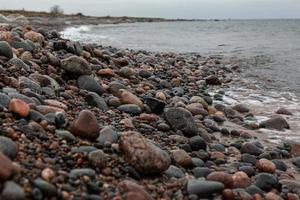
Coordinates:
column 189, row 9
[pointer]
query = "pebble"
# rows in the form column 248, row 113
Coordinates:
column 94, row 100
column 85, row 125
column 204, row 188
column 134, row 191
column 76, row 65
column 48, row 189
column 241, row 180
column 197, row 143
column 221, row 177
column 130, row 108
column 98, row 158
column 107, row 136
column 174, row 171
column 266, row 181
column 182, row 158
column 90, row 84
column 144, row 155
column 251, row 148
column 66, row 135
column 8, row 147
column 5, row 50
column 12, row 191
column 76, row 173
column 278, row 123
column 19, row 107
column 265, row 165
column 284, row 111
column 127, row 97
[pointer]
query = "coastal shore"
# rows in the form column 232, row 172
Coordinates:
column 81, row 121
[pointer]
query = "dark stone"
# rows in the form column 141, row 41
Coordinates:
column 12, row 191
column 296, row 161
column 280, row 165
column 213, row 80
column 5, row 50
column 4, row 100
column 253, row 189
column 266, row 181
column 204, row 188
column 19, row 63
column 107, row 136
column 199, row 172
column 88, row 83
column 130, row 108
column 156, row 106
column 284, row 111
column 278, row 123
column 8, row 147
column 251, row 148
column 95, row 100
column 248, row 170
column 47, row 189
column 197, row 143
column 247, row 158
column 76, row 65
column 174, row 171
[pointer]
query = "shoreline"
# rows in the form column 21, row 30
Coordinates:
column 52, row 87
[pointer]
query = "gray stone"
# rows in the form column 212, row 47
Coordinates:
column 107, row 136
column 93, row 99
column 12, row 191
column 76, row 65
column 19, row 63
column 28, row 83
column 88, row 83
column 204, row 188
column 47, row 188
column 76, row 173
column 98, row 158
column 174, row 171
column 4, row 100
column 8, row 147
column 66, row 135
column 278, row 123
column 130, row 108
column 6, row 50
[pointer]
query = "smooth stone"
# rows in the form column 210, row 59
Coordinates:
column 66, row 135
column 266, row 181
column 248, row 158
column 85, row 125
column 265, row 165
column 213, row 80
column 174, row 171
column 48, row 109
column 253, row 189
column 280, row 165
column 278, row 123
column 181, row 119
column 284, row 111
column 22, row 44
column 19, row 107
column 241, row 179
column 182, row 158
column 134, row 191
column 4, row 100
column 127, row 97
column 204, row 188
column 6, row 50
column 8, row 147
column 251, row 148
column 107, row 136
column 83, row 149
column 143, row 154
column 22, row 97
column 130, row 108
column 248, row 170
column 114, row 87
column 197, row 143
column 19, row 63
column 36, row 116
column 93, row 99
column 296, row 161
column 197, row 99
column 88, row 83
column 28, row 83
column 199, row 172
column 156, row 106
column 197, row 162
column 76, row 65
column 98, row 158
column 47, row 188
column 221, row 177
column 12, row 191
column 76, row 173
column 7, row 168
column 241, row 108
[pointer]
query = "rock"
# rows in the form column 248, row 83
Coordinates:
column 85, row 125
column 213, row 80
column 280, row 165
column 144, row 155
column 55, row 103
column 22, row 97
column 98, row 159
column 22, row 44
column 12, row 191
column 284, row 111
column 241, row 180
column 127, row 72
column 251, row 148
column 93, row 99
column 204, row 188
column 266, row 181
column 133, row 191
column 6, row 167
column 35, row 37
column 19, row 107
column 196, row 109
column 4, row 100
column 296, row 161
column 278, row 123
column 107, row 136
column 130, row 108
column 19, row 63
column 291, row 185
column 106, row 73
column 88, row 83
column 114, row 87
column 197, row 99
column 181, row 119
column 76, row 65
column 182, row 158
column 77, row 173
column 47, row 188
column 48, row 109
column 6, row 50
column 83, row 149
column 127, row 97
column 201, row 172
column 265, row 165
column 253, row 189
column 28, row 83
column 241, row 108
column 247, row 158
column 156, row 106
column 221, row 177
column 197, row 143
column 47, row 174
column 8, row 147
column 295, row 148
column 174, row 171
column 248, row 170
column 66, row 135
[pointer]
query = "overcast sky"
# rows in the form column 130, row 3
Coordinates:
column 168, row 8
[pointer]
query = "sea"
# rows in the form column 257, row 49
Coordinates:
column 267, row 51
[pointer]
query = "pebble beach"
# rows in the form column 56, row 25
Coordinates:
column 85, row 121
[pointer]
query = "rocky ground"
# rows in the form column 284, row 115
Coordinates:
column 90, row 122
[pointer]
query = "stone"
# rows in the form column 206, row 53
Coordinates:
column 284, row 111
column 66, row 135
column 12, row 191
column 265, row 165
column 221, row 177
column 251, row 148
column 241, row 108
column 106, row 73
column 22, row 44
column 197, row 99
column 7, row 168
column 47, row 174
column 174, row 171
column 85, row 125
column 278, row 123
column 196, row 109
column 127, row 97
column 22, row 97
column 88, row 83
column 76, row 65
column 181, row 119
column 133, row 191
column 296, row 161
column 248, row 158
column 107, row 136
column 48, row 109
column 248, row 170
column 55, row 103
column 156, row 106
column 127, row 72
column 98, row 159
column 213, row 80
column 19, row 107
column 77, row 173
column 197, row 143
column 241, row 180
column 19, row 63
column 4, row 100
column 83, row 149
column 280, row 165
column 28, row 83
column 130, row 108
column 143, row 154
column 8, row 147
column 114, row 87
column 204, row 188
column 199, row 172
column 266, row 181
column 6, row 50
column 47, row 188
column 182, row 158
column 35, row 37
column 93, row 99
